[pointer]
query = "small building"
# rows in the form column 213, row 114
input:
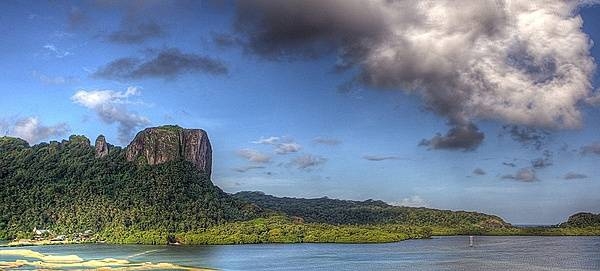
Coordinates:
column 59, row 238
column 40, row 232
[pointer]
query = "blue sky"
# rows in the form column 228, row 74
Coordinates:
column 280, row 119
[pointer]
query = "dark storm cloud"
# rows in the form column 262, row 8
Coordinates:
column 167, row 64
column 463, row 64
column 522, row 175
column 465, row 138
column 574, row 175
column 291, row 29
column 132, row 32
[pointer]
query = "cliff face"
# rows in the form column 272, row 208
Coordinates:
column 101, row 147
column 158, row 145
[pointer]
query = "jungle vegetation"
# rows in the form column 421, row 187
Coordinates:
column 63, row 187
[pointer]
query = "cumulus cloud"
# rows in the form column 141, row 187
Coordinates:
column 282, row 146
column 523, row 175
column 412, row 201
column 327, row 141
column 247, row 168
column 574, row 175
column 461, row 137
column 167, row 63
column 308, row 162
column 110, row 106
column 520, row 62
column 479, row 171
column 380, row 157
column 285, row 148
column 31, row 129
column 135, row 32
column 254, row 156
column 593, row 148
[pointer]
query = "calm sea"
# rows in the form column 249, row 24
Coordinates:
column 440, row 253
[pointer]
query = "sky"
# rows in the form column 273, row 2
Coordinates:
column 489, row 106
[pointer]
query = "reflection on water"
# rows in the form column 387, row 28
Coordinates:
column 442, row 253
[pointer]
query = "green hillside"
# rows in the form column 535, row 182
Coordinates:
column 582, row 220
column 61, row 186
column 347, row 212
column 72, row 187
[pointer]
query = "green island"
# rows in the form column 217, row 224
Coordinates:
column 158, row 190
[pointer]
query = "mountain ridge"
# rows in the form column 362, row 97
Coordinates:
column 164, row 188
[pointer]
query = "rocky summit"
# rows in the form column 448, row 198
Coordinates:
column 157, row 145
column 101, row 147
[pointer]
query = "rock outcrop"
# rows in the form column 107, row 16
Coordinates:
column 162, row 144
column 101, row 147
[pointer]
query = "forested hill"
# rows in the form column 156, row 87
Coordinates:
column 582, row 220
column 70, row 186
column 160, row 184
column 334, row 211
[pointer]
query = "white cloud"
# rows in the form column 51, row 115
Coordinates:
column 272, row 140
column 254, row 156
column 412, row 201
column 56, row 52
column 517, row 61
column 327, row 141
column 111, row 108
column 523, row 175
column 282, row 146
column 32, row 130
column 594, row 99
column 308, row 162
column 53, row 80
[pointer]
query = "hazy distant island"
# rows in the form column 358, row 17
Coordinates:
column 158, row 190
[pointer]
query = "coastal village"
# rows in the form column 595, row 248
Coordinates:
column 47, row 237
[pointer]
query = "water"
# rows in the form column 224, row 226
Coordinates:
column 440, row 253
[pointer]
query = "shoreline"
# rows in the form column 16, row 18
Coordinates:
column 29, row 243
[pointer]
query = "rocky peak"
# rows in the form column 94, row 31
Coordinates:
column 162, row 144
column 101, row 147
